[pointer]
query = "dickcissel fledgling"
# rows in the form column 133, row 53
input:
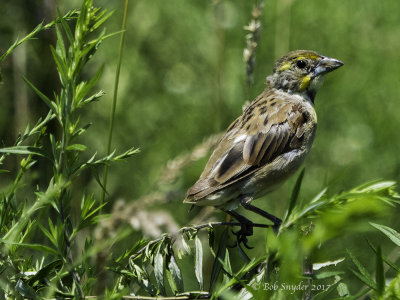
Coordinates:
column 268, row 142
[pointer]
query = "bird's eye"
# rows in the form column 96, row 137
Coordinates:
column 301, row 64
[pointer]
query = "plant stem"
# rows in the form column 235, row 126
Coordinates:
column 114, row 103
column 184, row 296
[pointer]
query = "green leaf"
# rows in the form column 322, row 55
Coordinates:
column 171, row 282
column 102, row 20
column 372, row 187
column 199, row 262
column 139, row 244
column 243, row 254
column 143, row 280
column 85, row 87
column 159, row 272
column 45, row 271
column 49, row 235
column 186, row 247
column 66, row 28
column 319, row 196
column 25, row 290
column 217, row 266
column 61, row 66
column 94, row 97
column 25, row 150
column 295, row 194
column 385, row 259
column 76, row 147
column 60, row 47
column 380, row 274
column 392, row 234
column 343, row 290
column 19, row 42
column 38, row 247
column 42, row 96
column 363, row 274
column 328, row 274
column 176, row 273
column 227, row 275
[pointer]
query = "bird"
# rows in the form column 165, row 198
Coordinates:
column 267, row 143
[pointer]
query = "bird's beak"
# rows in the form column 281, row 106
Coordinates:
column 327, row 65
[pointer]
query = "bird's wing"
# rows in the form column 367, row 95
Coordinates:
column 264, row 131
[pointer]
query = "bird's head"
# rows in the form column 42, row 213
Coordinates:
column 302, row 71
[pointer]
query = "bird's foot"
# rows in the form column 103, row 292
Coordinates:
column 277, row 225
column 246, row 229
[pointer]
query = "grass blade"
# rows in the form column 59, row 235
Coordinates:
column 114, row 103
column 25, row 150
column 380, row 274
column 295, row 194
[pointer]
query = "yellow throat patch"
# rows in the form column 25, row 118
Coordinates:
column 305, row 82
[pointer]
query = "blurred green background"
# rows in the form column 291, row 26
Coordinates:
column 183, row 79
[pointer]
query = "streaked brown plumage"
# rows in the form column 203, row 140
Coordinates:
column 269, row 141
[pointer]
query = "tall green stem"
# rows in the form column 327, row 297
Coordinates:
column 114, row 103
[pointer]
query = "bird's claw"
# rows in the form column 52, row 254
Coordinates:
column 246, row 229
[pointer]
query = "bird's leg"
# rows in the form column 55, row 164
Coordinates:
column 277, row 222
column 246, row 228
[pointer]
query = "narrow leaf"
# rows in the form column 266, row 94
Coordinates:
column 49, row 235
column 61, row 66
column 76, row 147
column 385, row 259
column 171, row 282
column 343, row 290
column 328, row 274
column 199, row 262
column 380, row 274
column 227, row 275
column 363, row 274
column 159, row 272
column 38, row 247
column 102, row 20
column 25, row 290
column 60, row 47
column 67, row 30
column 42, row 96
column 24, row 150
column 243, row 254
column 85, row 88
column 45, row 271
column 392, row 234
column 217, row 266
column 176, row 273
column 295, row 194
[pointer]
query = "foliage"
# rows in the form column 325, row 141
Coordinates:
column 55, row 272
column 50, row 214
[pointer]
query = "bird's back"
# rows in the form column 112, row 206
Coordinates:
column 274, row 132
